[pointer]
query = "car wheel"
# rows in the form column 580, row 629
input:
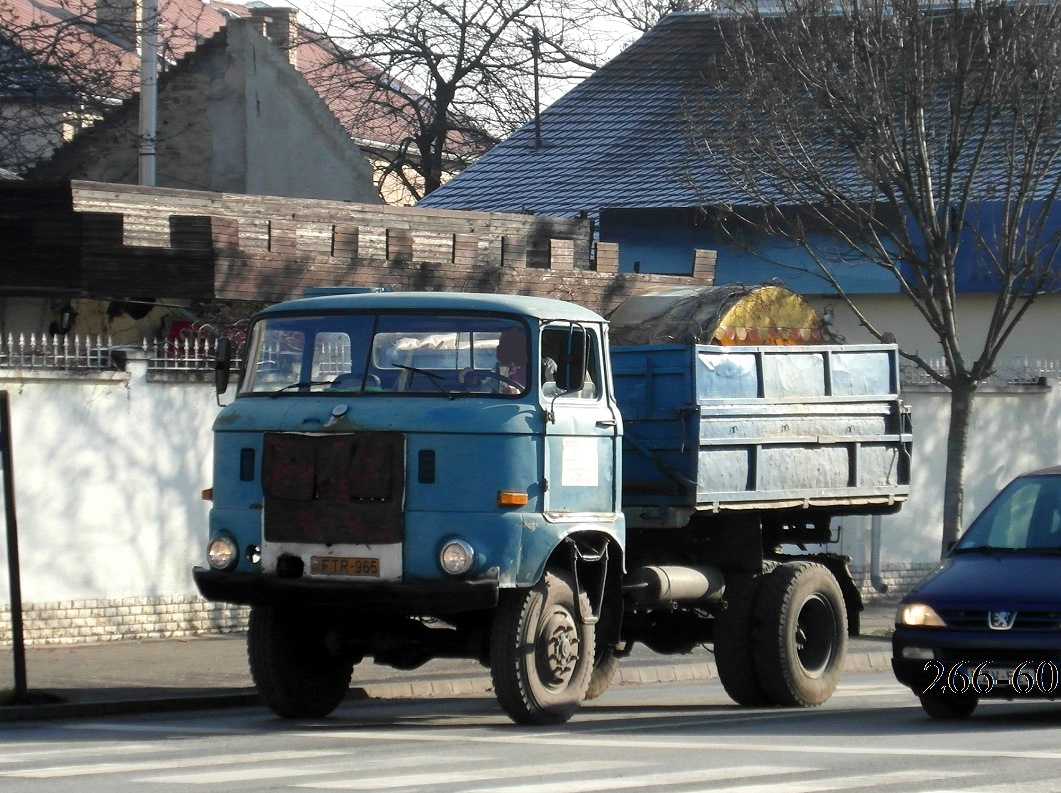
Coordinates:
column 940, row 706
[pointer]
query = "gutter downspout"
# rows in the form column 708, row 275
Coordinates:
column 874, row 555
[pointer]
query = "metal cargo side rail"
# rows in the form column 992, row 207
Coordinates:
column 730, row 428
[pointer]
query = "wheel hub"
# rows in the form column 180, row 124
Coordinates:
column 558, row 648
column 815, row 635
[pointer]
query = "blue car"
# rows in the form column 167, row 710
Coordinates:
column 986, row 623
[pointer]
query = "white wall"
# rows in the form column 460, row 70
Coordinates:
column 1014, row 430
column 109, row 471
column 1034, row 338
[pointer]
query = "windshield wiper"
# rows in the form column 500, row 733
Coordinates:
column 985, row 549
column 434, row 377
column 302, row 384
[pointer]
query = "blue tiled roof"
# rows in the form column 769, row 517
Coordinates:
column 613, row 141
column 616, row 140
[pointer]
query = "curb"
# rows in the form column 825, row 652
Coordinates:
column 457, row 687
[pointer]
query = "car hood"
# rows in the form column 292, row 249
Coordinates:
column 993, row 580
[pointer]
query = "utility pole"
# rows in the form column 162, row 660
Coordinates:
column 148, row 91
column 18, row 644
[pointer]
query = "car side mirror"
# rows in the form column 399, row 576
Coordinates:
column 222, row 365
column 571, row 368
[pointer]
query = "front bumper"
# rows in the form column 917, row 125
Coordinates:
column 419, row 598
column 956, row 653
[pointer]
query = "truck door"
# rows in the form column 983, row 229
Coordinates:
column 582, row 424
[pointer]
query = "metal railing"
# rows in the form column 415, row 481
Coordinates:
column 1018, row 370
column 196, row 354
column 56, row 352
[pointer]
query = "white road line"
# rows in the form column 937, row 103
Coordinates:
column 92, row 769
column 648, row 780
column 847, row 782
column 216, row 727
column 355, row 765
column 65, row 750
column 470, row 775
column 573, row 739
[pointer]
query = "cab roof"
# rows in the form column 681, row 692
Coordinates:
column 540, row 308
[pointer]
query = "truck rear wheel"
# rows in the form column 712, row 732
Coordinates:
column 800, row 634
column 603, row 673
column 734, row 654
column 291, row 666
column 541, row 653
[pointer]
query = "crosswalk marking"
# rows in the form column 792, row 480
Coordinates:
column 353, row 765
column 91, row 769
column 648, row 780
column 664, row 743
column 846, row 782
column 470, row 775
column 67, row 751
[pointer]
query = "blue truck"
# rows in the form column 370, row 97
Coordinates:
column 408, row 476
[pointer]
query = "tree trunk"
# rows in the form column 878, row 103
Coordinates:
column 962, row 395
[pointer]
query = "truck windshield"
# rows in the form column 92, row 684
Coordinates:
column 1025, row 516
column 386, row 354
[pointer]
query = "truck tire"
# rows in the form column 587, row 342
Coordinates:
column 291, row 666
column 603, row 673
column 799, row 634
column 541, row 653
column 734, row 655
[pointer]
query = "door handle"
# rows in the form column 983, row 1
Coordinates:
column 606, row 422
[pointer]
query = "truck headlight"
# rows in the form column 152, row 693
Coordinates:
column 222, row 553
column 919, row 615
column 456, row 557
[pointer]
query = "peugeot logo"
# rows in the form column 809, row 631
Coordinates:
column 1001, row 620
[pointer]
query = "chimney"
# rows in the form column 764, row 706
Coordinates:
column 281, row 28
column 122, row 17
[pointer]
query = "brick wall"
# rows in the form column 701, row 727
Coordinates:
column 81, row 621
column 900, row 578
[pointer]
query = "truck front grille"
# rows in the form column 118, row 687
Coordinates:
column 324, row 489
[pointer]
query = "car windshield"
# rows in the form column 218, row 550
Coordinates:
column 1025, row 516
column 370, row 354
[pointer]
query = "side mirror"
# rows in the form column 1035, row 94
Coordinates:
column 222, row 365
column 571, row 368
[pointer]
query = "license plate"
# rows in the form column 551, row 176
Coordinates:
column 1000, row 674
column 344, row 565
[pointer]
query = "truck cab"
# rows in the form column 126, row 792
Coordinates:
column 392, row 464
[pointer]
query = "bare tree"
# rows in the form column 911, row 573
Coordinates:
column 920, row 138
column 640, row 16
column 63, row 64
column 447, row 79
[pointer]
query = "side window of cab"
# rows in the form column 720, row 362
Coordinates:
column 563, row 346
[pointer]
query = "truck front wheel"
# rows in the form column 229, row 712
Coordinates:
column 541, row 653
column 291, row 666
column 800, row 634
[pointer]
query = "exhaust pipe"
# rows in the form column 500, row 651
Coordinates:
column 659, row 585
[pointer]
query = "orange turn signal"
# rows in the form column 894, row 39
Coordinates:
column 511, row 498
column 208, row 494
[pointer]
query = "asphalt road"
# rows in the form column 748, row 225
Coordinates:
column 871, row 736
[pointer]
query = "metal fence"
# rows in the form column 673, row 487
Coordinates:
column 196, row 354
column 101, row 353
column 1018, row 370
column 57, row 353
